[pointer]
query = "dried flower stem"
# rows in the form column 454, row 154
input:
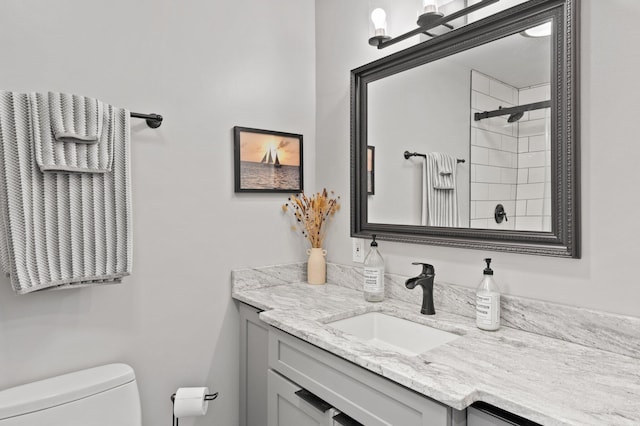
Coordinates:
column 310, row 213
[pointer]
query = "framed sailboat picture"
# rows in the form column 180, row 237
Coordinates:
column 267, row 161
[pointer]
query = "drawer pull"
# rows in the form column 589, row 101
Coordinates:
column 501, row 414
column 313, row 400
column 344, row 420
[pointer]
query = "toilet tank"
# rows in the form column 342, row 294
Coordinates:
column 100, row 396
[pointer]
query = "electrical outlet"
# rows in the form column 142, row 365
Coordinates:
column 358, row 250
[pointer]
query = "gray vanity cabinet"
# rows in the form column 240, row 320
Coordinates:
column 360, row 394
column 254, row 338
column 276, row 367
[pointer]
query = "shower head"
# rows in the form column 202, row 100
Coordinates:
column 515, row 117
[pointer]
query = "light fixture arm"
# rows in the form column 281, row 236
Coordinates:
column 381, row 44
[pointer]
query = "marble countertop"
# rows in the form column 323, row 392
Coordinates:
column 549, row 381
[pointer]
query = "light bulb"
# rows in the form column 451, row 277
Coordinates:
column 379, row 18
column 543, row 30
column 429, row 6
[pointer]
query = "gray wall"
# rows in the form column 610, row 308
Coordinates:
column 606, row 276
column 206, row 66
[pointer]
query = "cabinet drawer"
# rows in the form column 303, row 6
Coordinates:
column 365, row 396
column 288, row 405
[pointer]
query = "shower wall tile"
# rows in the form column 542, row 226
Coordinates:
column 480, row 82
column 532, row 159
column 523, row 144
column 538, row 143
column 502, row 159
column 484, row 102
column 523, row 176
column 479, row 223
column 537, row 174
column 531, row 191
column 505, row 224
column 537, row 114
column 487, row 174
column 509, row 143
column 532, row 128
column 534, row 163
column 494, row 152
column 509, row 176
column 534, row 207
column 529, row 223
column 534, row 94
column 503, row 92
column 480, row 155
column 479, row 191
column 487, row 139
column 499, row 192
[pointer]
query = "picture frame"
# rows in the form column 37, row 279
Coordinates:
column 267, row 161
column 371, row 164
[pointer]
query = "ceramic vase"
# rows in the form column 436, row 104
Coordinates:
column 316, row 266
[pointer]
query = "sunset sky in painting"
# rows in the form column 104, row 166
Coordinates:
column 254, row 145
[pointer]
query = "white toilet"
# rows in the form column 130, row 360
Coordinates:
column 100, row 396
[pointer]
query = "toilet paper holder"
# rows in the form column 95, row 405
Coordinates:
column 207, row 397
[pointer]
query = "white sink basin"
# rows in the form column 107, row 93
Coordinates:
column 389, row 332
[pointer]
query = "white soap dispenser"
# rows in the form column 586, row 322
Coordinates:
column 373, row 274
column 488, row 301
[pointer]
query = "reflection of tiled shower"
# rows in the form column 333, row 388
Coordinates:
column 509, row 161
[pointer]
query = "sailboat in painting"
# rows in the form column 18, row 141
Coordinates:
column 269, row 160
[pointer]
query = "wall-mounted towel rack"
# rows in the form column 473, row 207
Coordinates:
column 408, row 155
column 153, row 120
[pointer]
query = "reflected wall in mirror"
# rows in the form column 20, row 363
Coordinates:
column 490, row 112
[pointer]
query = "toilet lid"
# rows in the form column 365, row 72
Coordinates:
column 62, row 389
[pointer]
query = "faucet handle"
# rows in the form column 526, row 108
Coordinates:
column 427, row 269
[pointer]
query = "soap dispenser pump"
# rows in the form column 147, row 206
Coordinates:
column 373, row 274
column 488, row 301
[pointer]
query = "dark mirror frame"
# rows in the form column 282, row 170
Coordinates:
column 564, row 238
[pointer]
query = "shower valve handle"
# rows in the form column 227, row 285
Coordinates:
column 500, row 214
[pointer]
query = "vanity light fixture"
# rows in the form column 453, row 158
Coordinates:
column 543, row 30
column 428, row 19
column 429, row 13
column 379, row 19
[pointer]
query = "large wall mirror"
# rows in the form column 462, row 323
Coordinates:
column 475, row 136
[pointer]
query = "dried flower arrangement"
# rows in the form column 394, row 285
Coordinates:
column 310, row 214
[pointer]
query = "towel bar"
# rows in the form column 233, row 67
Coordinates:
column 153, row 120
column 408, row 155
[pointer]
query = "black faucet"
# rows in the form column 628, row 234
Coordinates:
column 424, row 280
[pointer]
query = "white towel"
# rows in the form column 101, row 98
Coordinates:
column 439, row 206
column 53, row 118
column 75, row 118
column 444, row 171
column 62, row 230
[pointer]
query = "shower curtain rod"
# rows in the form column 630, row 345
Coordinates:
column 408, row 155
column 511, row 110
column 153, row 120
